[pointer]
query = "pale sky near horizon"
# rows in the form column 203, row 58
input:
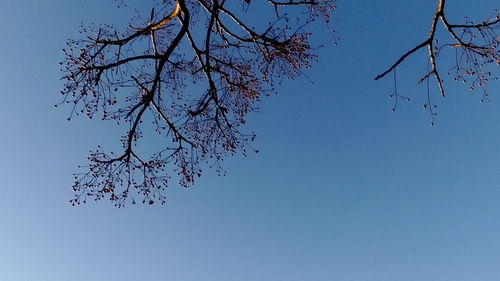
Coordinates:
column 342, row 189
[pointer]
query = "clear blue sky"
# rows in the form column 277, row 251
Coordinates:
column 343, row 189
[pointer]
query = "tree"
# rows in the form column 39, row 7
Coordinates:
column 477, row 52
column 194, row 70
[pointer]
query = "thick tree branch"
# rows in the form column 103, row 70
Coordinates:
column 195, row 79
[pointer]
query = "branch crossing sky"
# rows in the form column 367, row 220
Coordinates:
column 342, row 188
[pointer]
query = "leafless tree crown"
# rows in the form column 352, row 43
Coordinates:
column 193, row 69
column 477, row 52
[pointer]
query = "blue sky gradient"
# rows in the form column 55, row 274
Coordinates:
column 342, row 189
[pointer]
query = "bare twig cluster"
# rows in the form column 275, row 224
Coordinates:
column 476, row 46
column 194, row 70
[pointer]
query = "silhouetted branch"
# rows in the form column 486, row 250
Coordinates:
column 476, row 46
column 195, row 73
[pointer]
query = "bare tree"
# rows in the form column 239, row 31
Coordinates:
column 193, row 70
column 477, row 52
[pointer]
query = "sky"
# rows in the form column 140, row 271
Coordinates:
column 342, row 188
